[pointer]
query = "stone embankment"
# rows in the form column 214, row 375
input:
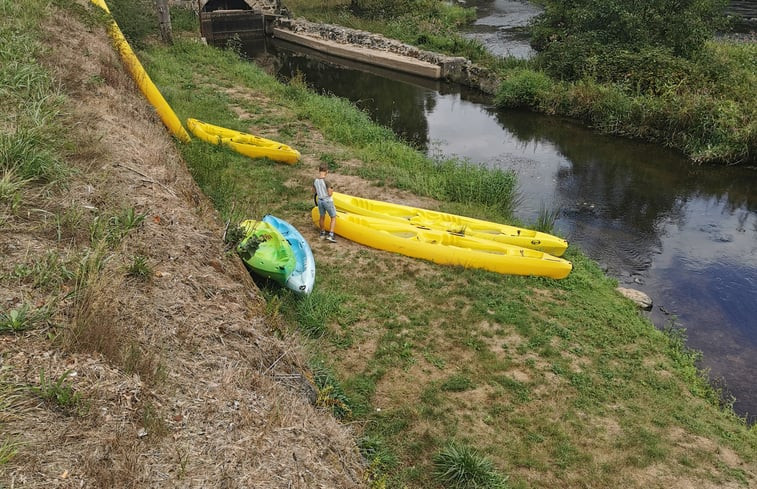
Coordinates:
column 343, row 41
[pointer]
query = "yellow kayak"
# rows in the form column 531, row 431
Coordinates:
column 452, row 224
column 445, row 248
column 244, row 143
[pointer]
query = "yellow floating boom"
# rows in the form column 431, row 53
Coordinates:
column 142, row 79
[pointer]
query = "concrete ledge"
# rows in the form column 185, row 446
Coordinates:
column 380, row 58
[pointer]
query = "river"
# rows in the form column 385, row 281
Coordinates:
column 685, row 235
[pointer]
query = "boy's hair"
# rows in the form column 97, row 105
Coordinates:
column 323, row 167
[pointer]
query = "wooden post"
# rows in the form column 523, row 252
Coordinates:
column 165, row 21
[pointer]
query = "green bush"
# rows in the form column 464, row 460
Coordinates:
column 568, row 34
column 137, row 19
column 523, row 88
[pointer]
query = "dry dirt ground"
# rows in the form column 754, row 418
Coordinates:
column 184, row 380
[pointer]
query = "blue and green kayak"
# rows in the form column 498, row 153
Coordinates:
column 265, row 251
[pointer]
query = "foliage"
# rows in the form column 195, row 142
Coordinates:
column 184, row 19
column 461, row 467
column 523, row 88
column 57, row 392
column 568, row 35
column 703, row 107
column 139, row 268
column 21, row 319
column 330, row 393
column 137, row 20
column 234, row 235
column 390, row 9
column 250, row 244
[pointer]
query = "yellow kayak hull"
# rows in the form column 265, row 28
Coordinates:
column 451, row 223
column 441, row 247
column 244, row 143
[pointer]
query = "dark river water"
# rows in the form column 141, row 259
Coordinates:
column 685, row 235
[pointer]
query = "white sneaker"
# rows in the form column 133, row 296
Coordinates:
column 331, row 238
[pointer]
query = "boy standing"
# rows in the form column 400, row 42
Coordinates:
column 323, row 191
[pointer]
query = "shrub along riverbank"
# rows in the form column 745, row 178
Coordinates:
column 619, row 78
column 454, row 375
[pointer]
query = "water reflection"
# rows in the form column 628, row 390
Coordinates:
column 685, row 235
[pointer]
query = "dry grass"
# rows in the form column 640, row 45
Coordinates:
column 185, row 381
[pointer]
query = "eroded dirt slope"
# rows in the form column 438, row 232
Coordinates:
column 184, row 381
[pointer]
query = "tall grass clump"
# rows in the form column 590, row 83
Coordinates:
column 330, row 393
column 10, row 188
column 471, row 183
column 461, row 467
column 57, row 392
column 545, row 220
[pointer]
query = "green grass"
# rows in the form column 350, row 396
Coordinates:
column 22, row 318
column 29, row 143
column 460, row 467
column 57, row 392
column 389, row 161
column 139, row 268
column 10, row 403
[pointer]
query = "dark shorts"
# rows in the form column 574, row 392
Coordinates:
column 326, row 207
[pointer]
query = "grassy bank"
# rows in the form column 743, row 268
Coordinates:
column 704, row 106
column 451, row 374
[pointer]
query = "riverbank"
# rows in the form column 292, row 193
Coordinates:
column 427, row 356
column 553, row 382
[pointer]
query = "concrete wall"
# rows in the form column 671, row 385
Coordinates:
column 455, row 69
